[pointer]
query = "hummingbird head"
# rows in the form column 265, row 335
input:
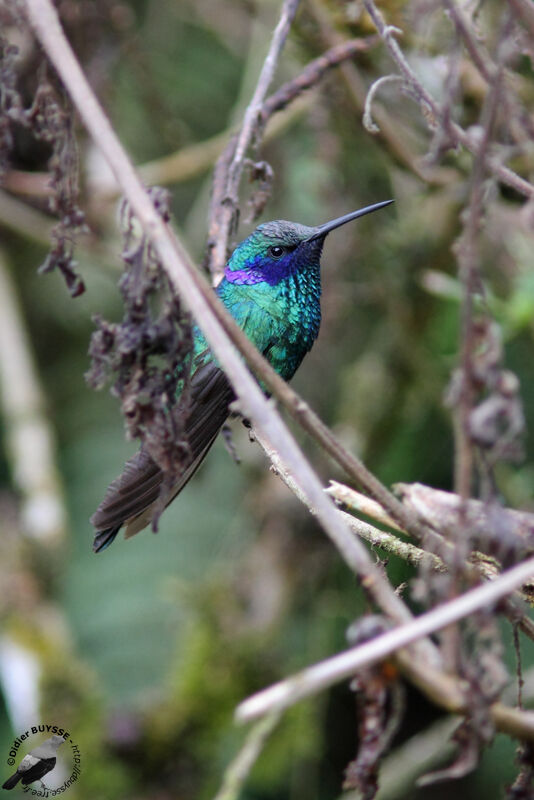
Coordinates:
column 279, row 249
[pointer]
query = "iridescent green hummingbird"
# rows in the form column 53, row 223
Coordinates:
column 272, row 288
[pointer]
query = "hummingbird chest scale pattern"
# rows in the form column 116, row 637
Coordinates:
column 282, row 319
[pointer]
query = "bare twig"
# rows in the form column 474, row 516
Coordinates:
column 395, row 136
column 361, row 504
column 238, row 771
column 368, row 122
column 313, row 72
column 392, row 544
column 443, row 510
column 225, row 200
column 433, row 114
column 374, row 536
column 468, row 263
column 373, row 580
column 21, row 218
column 479, row 58
column 525, row 11
column 343, row 666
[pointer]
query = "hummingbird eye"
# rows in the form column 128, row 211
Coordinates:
column 276, row 251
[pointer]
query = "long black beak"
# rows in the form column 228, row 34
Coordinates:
column 322, row 230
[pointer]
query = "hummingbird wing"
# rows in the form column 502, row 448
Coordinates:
column 131, row 498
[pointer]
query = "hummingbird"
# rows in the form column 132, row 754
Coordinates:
column 272, row 288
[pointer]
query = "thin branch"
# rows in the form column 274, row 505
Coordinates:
column 525, row 11
column 480, row 59
column 34, row 184
column 361, row 504
column 313, row 72
column 239, row 769
column 468, row 268
column 368, row 122
column 343, row 666
column 377, row 538
column 391, row 544
column 392, row 132
column 443, row 510
column 24, row 220
column 253, row 110
column 432, row 112
column 225, row 193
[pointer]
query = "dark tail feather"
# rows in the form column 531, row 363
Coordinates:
column 132, row 497
column 103, row 539
column 11, row 782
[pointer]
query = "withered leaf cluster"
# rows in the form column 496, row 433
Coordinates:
column 147, row 355
column 48, row 119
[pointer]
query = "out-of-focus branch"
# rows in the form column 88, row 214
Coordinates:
column 374, row 536
column 391, row 131
column 193, row 160
column 224, row 208
column 35, row 184
column 478, row 56
column 432, row 113
column 238, row 771
column 29, row 437
column 468, row 270
column 341, row 667
column 20, row 218
column 361, row 504
column 525, row 11
column 313, row 72
column 444, row 512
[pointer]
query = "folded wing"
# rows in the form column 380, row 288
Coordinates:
column 131, row 498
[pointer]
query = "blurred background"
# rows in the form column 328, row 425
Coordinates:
column 143, row 651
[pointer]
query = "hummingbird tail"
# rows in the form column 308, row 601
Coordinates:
column 132, row 498
column 104, row 538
